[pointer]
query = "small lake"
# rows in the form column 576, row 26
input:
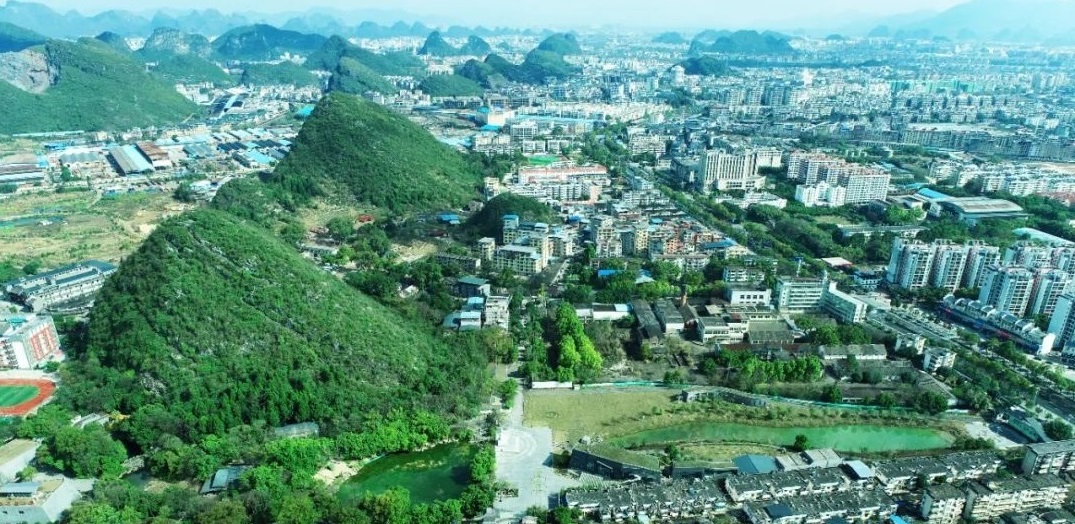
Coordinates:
column 870, row 439
column 440, row 473
column 32, row 220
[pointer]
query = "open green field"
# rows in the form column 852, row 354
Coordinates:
column 15, row 395
column 436, row 474
column 831, row 219
column 649, row 418
column 542, row 160
column 60, row 228
column 855, row 439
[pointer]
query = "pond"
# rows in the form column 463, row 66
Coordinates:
column 27, row 221
column 870, row 439
column 440, row 473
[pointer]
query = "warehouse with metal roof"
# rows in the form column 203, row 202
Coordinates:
column 130, row 161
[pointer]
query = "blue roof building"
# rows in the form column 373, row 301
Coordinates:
column 755, row 464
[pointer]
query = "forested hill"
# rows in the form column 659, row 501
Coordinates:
column 216, row 323
column 358, row 151
column 85, row 85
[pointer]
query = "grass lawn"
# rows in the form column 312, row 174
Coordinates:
column 61, row 228
column 649, row 417
column 14, row 395
column 574, row 414
column 831, row 219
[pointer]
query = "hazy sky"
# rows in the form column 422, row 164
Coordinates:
column 685, row 13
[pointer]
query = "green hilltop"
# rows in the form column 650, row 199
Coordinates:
column 284, row 73
column 450, row 85
column 705, row 66
column 329, row 55
column 188, row 69
column 217, row 323
column 489, row 220
column 561, row 44
column 356, row 150
column 15, row 38
column 436, row 45
column 353, row 77
column 95, row 88
column 264, row 42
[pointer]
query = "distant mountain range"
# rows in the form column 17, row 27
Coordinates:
column 366, row 23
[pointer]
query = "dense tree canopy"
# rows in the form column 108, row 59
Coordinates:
column 220, row 324
column 360, row 151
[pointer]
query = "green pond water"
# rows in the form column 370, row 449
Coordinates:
column 841, row 438
column 440, row 473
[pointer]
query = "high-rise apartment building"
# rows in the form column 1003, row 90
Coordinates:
column 949, row 264
column 910, row 264
column 1049, row 285
column 1007, row 288
column 979, row 257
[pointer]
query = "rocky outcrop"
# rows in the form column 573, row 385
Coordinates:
column 27, row 70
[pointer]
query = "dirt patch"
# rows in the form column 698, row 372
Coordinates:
column 337, row 472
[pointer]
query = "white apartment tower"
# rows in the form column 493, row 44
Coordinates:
column 949, row 264
column 910, row 264
column 1049, row 285
column 1007, row 288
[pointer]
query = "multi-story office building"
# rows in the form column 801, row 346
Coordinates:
column 794, row 294
column 821, row 194
column 949, row 264
column 910, row 264
column 723, row 171
column 68, row 284
column 28, row 341
column 863, row 185
column 842, row 306
column 937, row 358
column 1007, row 288
column 1049, row 457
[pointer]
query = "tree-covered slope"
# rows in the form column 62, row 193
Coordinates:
column 352, row 76
column 264, row 42
column 359, row 150
column 476, row 46
column 15, row 38
column 220, row 323
column 483, row 73
column 436, row 45
column 450, row 85
column 746, row 42
column 561, row 44
column 166, row 42
column 329, row 55
column 705, row 66
column 95, row 88
column 669, row 38
column 114, row 41
column 284, row 73
column 188, row 69
column 488, row 221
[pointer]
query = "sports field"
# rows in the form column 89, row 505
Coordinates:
column 20, row 397
column 15, row 395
